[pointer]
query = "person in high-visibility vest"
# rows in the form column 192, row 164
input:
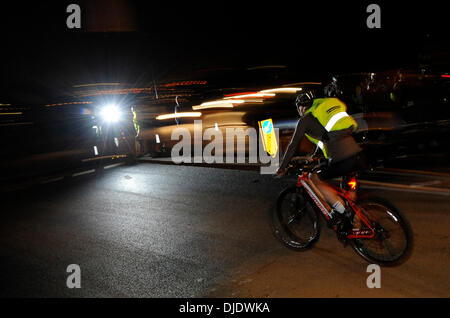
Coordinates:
column 135, row 121
column 140, row 143
column 325, row 122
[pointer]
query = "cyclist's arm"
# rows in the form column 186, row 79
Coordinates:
column 295, row 141
column 307, row 124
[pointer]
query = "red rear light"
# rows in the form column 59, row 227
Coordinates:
column 352, row 183
column 445, row 76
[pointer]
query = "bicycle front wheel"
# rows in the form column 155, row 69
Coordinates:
column 294, row 222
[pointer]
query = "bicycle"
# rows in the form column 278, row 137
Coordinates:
column 385, row 236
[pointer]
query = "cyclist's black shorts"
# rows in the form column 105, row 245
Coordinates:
column 341, row 168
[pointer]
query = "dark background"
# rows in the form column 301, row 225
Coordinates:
column 138, row 41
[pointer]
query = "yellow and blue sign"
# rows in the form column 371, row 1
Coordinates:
column 269, row 139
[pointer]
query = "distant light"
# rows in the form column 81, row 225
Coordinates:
column 184, row 83
column 260, row 100
column 218, row 104
column 111, row 113
column 445, row 75
column 200, row 107
column 282, row 90
column 222, row 102
column 67, row 103
column 96, row 84
column 241, row 93
column 178, row 115
column 250, row 95
column 245, row 97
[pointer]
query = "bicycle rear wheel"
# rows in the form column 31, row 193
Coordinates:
column 393, row 241
column 294, row 222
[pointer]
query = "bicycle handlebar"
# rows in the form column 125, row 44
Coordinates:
column 306, row 164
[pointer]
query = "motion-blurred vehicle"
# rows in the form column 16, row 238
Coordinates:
column 236, row 99
column 399, row 113
column 63, row 137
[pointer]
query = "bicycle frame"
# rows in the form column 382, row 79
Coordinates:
column 304, row 181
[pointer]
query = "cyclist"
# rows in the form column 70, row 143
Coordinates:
column 135, row 121
column 137, row 129
column 324, row 122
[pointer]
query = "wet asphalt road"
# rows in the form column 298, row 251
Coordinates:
column 155, row 230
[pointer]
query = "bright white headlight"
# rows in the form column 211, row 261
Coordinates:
column 111, row 113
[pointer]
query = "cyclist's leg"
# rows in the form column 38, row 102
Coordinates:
column 328, row 192
column 335, row 170
column 352, row 164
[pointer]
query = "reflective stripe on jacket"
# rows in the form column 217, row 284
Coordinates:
column 331, row 113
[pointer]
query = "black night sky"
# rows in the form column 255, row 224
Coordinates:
column 158, row 40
